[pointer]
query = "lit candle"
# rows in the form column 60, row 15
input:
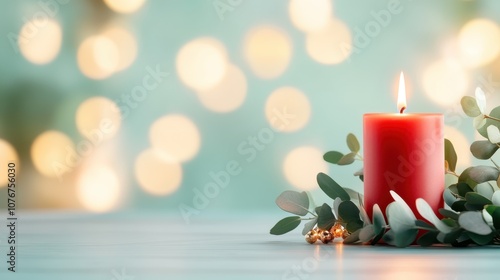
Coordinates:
column 404, row 153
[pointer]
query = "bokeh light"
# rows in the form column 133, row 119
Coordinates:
column 126, row 45
column 268, row 51
column 445, row 82
column 479, row 42
column 461, row 144
column 287, row 109
column 310, row 15
column 229, row 94
column 98, row 57
column 98, row 118
column 202, row 63
column 98, row 188
column 330, row 45
column 7, row 155
column 40, row 40
column 51, row 152
column 177, row 136
column 302, row 165
column 124, row 6
column 157, row 173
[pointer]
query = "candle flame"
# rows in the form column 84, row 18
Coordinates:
column 401, row 93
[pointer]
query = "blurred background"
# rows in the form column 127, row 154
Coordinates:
column 196, row 107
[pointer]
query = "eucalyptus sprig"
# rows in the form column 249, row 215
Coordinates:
column 472, row 215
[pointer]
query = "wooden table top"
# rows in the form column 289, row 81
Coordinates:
column 140, row 246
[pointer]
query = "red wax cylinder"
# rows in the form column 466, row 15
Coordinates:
column 403, row 153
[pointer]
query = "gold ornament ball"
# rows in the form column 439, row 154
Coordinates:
column 337, row 230
column 325, row 236
column 311, row 237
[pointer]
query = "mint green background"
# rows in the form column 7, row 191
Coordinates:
column 37, row 98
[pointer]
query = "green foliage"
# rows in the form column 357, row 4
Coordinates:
column 333, row 157
column 474, row 217
column 293, row 202
column 285, row 225
column 353, row 143
column 326, row 219
column 331, row 188
column 469, row 105
column 450, row 155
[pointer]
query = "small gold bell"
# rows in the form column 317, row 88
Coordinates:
column 337, row 230
column 325, row 236
column 311, row 237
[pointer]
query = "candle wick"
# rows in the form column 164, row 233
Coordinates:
column 402, row 110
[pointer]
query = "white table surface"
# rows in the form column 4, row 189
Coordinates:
column 141, row 246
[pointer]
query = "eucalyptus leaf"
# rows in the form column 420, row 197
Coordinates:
column 494, row 211
column 481, row 239
column 336, row 203
column 377, row 237
column 480, row 100
column 488, row 218
column 483, row 149
column 479, row 122
column 366, row 234
column 450, row 155
column 379, row 223
column 449, row 237
column 364, row 216
column 496, row 198
column 469, row 106
column 479, row 174
column 359, row 172
column 485, row 189
column 463, row 189
column 331, row 188
column 347, row 159
column 353, row 143
column 472, row 221
column 354, row 195
column 309, row 225
column 326, row 219
column 448, row 213
column 293, row 202
column 475, row 201
column 333, row 157
column 403, row 229
column 449, row 197
column 404, row 207
column 285, row 225
column 348, row 211
column 426, row 211
column 450, row 222
column 404, row 238
column 493, row 134
column 354, row 225
column 421, row 224
column 353, row 237
column 459, row 206
column 495, row 113
column 428, row 238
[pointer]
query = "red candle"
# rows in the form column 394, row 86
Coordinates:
column 404, row 153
